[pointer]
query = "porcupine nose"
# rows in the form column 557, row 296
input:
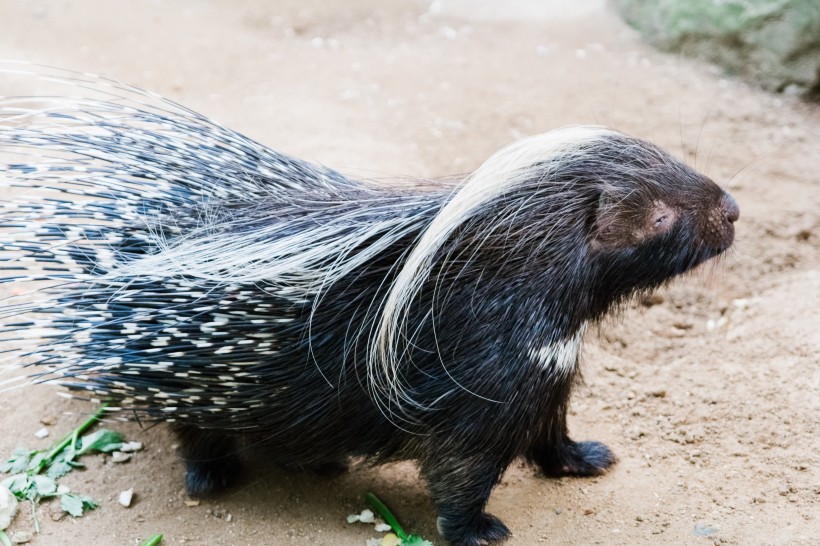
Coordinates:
column 731, row 212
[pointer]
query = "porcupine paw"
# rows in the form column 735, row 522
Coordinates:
column 579, row 459
column 203, row 478
column 488, row 530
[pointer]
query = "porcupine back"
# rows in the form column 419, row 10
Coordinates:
column 163, row 240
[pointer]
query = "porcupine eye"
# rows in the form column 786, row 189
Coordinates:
column 661, row 218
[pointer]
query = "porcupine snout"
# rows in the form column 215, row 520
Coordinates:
column 731, row 212
column 721, row 229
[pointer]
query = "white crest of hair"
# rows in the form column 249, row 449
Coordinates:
column 524, row 160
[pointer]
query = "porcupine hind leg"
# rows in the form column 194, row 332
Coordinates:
column 211, row 461
column 461, row 484
column 570, row 458
column 557, row 455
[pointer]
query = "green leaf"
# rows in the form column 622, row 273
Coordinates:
column 382, row 509
column 36, row 460
column 31, row 488
column 387, row 516
column 67, row 455
column 44, row 485
column 72, row 505
column 4, row 539
column 58, row 469
column 153, row 541
column 19, row 461
column 76, row 505
column 103, row 440
column 19, row 485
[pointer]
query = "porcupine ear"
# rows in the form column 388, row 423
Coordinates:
column 604, row 224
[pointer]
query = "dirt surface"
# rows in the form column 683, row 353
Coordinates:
column 709, row 393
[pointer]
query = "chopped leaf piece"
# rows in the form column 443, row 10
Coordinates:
column 58, row 469
column 35, row 473
column 75, row 505
column 71, row 505
column 18, row 462
column 14, row 483
column 103, row 440
column 45, row 486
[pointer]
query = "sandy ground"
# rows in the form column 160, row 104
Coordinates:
column 709, row 393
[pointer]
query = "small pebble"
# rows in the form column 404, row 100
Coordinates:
column 126, row 497
column 131, row 447
column 382, row 527
column 120, row 457
column 42, row 433
column 366, row 516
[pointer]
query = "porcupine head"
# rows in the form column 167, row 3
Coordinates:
column 547, row 236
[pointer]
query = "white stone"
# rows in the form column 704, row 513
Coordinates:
column 8, row 507
column 130, row 447
column 120, row 457
column 126, row 497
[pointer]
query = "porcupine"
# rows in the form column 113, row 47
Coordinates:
column 200, row 278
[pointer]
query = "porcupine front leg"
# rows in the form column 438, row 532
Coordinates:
column 557, row 455
column 460, row 485
column 211, row 462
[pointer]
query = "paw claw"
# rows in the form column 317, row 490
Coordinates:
column 489, row 530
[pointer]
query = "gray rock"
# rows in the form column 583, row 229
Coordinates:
column 773, row 43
